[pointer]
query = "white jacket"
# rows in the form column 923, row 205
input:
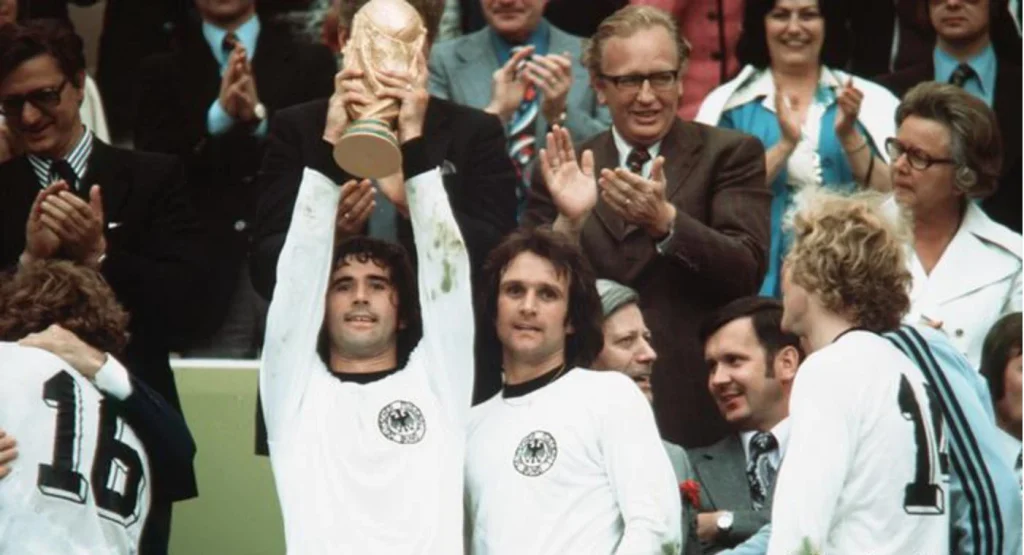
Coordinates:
column 976, row 281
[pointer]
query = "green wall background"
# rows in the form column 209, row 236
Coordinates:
column 236, row 511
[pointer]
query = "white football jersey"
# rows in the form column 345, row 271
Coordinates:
column 81, row 482
column 866, row 469
column 369, row 468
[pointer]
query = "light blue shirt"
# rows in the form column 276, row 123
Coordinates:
column 984, row 64
column 754, row 118
column 985, row 499
column 218, row 121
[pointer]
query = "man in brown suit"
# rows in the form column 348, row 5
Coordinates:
column 683, row 209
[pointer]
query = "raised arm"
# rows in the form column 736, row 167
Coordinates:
column 297, row 310
column 446, row 350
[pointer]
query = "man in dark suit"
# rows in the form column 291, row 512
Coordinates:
column 966, row 55
column 683, row 219
column 121, row 212
column 209, row 102
column 751, row 364
column 478, row 177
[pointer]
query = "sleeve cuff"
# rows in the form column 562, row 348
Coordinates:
column 112, row 379
column 218, row 121
column 261, row 129
column 415, row 158
column 662, row 245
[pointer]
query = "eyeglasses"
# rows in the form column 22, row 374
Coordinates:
column 659, row 80
column 917, row 159
column 43, row 99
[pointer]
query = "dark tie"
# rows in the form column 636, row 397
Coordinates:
column 636, row 160
column 229, row 42
column 760, row 473
column 61, row 169
column 522, row 138
column 961, row 75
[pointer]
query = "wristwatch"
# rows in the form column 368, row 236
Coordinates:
column 260, row 111
column 724, row 522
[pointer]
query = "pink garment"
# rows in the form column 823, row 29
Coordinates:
column 700, row 23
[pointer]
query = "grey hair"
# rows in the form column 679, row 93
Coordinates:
column 975, row 142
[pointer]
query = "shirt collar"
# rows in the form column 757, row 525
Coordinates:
column 625, row 148
column 983, row 63
column 247, row 35
column 780, row 431
column 539, row 39
column 761, row 85
column 78, row 158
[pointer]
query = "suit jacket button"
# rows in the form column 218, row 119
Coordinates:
column 240, row 225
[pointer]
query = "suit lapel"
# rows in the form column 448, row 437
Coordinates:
column 681, row 149
column 723, row 472
column 606, row 156
column 477, row 62
column 112, row 177
column 270, row 63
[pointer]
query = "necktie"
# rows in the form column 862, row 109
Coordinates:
column 760, row 473
column 961, row 75
column 636, row 160
column 229, row 43
column 522, row 139
column 61, row 169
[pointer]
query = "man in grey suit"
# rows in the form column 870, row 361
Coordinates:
column 627, row 349
column 751, row 365
column 524, row 70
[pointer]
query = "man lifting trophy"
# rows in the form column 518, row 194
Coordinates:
column 387, row 35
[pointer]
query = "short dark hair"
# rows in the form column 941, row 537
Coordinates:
column 752, row 46
column 584, row 314
column 429, row 10
column 766, row 317
column 20, row 42
column 394, row 258
column 45, row 292
column 1002, row 343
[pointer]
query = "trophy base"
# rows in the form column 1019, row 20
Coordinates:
column 368, row 149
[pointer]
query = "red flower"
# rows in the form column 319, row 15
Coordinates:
column 690, row 490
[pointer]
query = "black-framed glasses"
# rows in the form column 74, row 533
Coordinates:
column 917, row 159
column 43, row 99
column 633, row 82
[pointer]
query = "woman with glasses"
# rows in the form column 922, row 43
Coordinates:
column 966, row 268
column 807, row 114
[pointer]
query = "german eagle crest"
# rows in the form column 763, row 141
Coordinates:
column 402, row 422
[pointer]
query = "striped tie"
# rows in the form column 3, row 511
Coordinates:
column 961, row 75
column 522, row 140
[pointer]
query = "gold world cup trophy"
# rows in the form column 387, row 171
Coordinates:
column 386, row 35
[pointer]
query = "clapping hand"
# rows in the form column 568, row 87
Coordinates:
column 849, row 101
column 552, row 74
column 78, row 224
column 790, row 120
column 639, row 201
column 238, row 96
column 571, row 183
column 41, row 242
column 508, row 86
